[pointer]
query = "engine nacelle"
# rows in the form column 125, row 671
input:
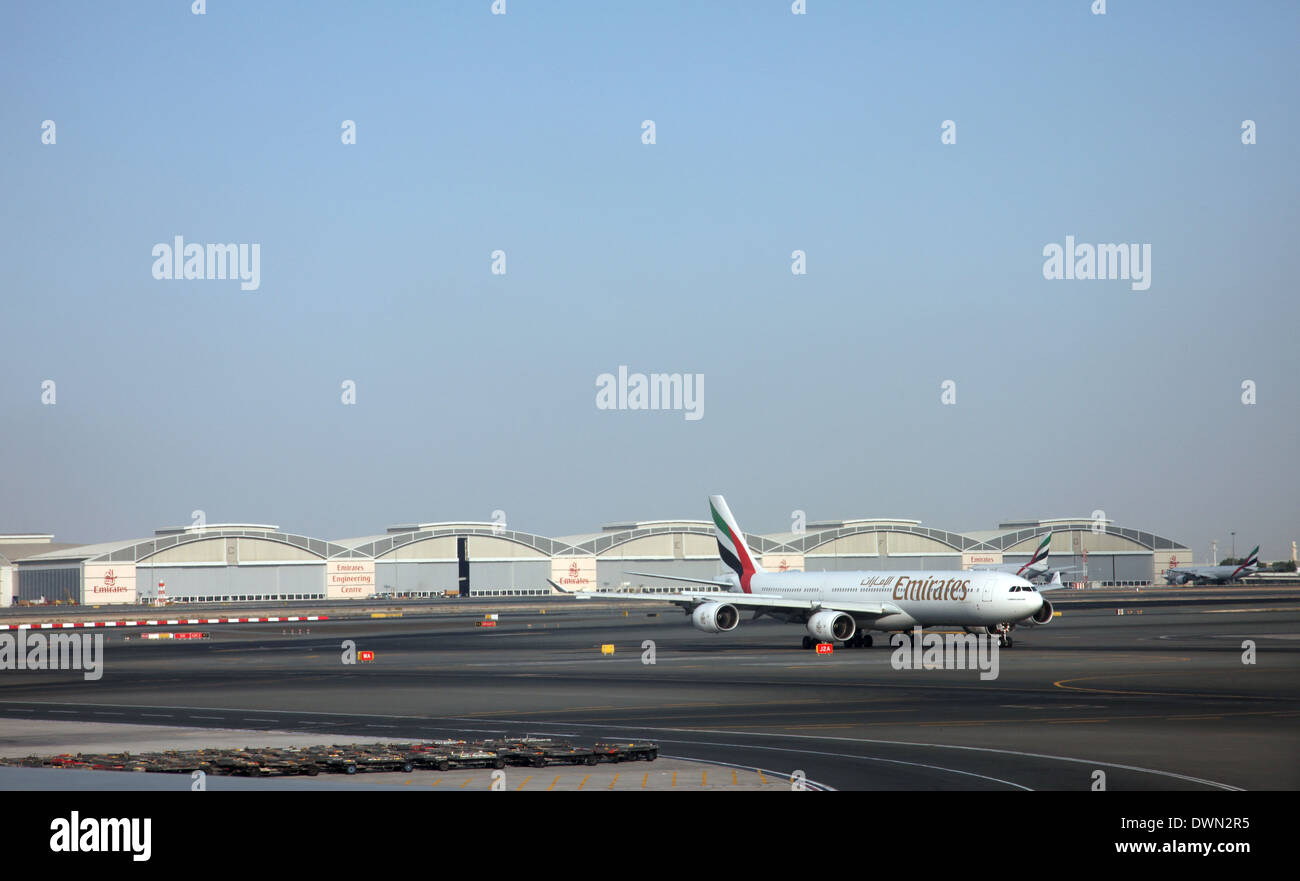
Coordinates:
column 715, row 617
column 829, row 624
column 1043, row 616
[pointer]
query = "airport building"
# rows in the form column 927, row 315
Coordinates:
column 14, row 547
column 228, row 562
column 235, row 562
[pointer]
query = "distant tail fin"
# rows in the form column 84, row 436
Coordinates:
column 1040, row 555
column 1251, row 563
column 731, row 542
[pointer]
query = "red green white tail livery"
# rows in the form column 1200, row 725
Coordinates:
column 731, row 543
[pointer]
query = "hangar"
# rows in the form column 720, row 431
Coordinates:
column 228, row 562
column 242, row 562
column 1101, row 552
column 428, row 559
column 1096, row 551
column 14, row 547
column 599, row 561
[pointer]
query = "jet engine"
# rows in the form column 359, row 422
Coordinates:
column 715, row 617
column 829, row 624
column 1043, row 616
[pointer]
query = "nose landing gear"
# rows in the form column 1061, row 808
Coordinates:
column 1003, row 633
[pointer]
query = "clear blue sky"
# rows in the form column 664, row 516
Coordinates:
column 774, row 133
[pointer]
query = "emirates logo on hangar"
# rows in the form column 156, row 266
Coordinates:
column 574, row 574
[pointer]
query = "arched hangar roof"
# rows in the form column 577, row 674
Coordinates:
column 139, row 550
column 1011, row 538
column 603, row 543
column 386, row 544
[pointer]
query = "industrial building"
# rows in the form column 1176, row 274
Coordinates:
column 228, row 562
column 236, row 562
column 14, row 547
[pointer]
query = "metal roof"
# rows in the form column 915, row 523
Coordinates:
column 594, row 544
column 135, row 550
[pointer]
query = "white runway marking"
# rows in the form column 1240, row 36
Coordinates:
column 1172, row 774
column 535, row 723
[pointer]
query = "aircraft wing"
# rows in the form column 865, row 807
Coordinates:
column 690, row 599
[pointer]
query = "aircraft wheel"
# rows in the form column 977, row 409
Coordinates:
column 866, row 640
column 807, row 642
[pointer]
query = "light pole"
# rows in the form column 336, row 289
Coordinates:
column 1234, row 545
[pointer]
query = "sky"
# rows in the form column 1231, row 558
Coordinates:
column 476, row 391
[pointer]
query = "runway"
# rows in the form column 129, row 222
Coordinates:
column 1158, row 700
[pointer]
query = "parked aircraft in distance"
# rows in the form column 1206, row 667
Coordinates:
column 1214, row 574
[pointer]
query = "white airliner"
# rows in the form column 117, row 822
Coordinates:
column 1213, row 574
column 846, row 606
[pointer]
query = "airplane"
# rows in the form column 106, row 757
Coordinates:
column 847, row 606
column 1035, row 569
column 1213, row 574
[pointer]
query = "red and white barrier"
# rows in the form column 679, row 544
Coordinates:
column 68, row 625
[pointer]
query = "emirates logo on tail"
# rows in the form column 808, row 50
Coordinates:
column 731, row 543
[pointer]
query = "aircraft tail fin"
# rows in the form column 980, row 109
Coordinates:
column 1054, row 584
column 1039, row 560
column 1251, row 563
column 731, row 542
